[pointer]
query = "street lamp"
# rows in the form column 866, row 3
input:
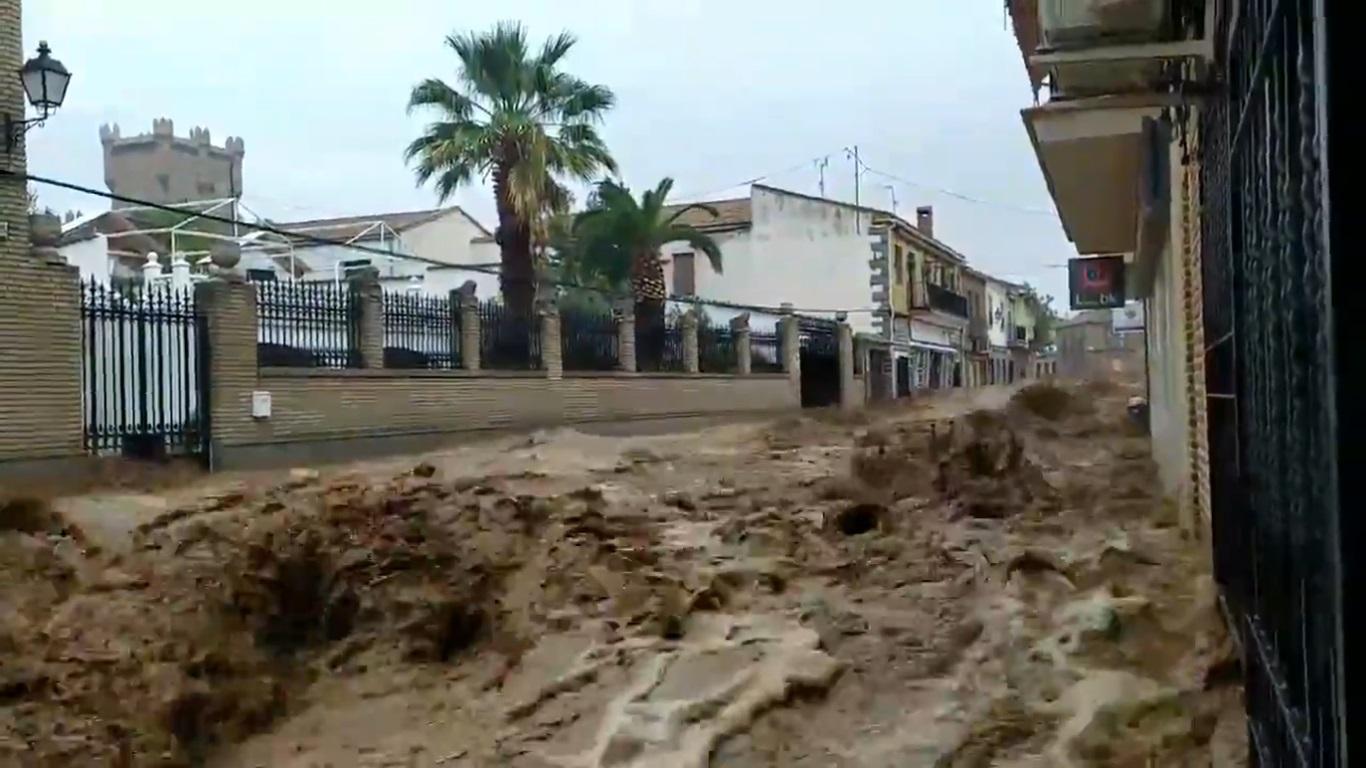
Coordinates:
column 45, row 81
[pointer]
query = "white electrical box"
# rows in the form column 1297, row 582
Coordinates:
column 260, row 404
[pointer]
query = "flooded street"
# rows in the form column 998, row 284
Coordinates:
column 972, row 581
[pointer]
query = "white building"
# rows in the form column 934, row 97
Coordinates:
column 434, row 251
column 780, row 247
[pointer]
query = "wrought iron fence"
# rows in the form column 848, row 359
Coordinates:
column 715, row 349
column 1269, row 376
column 420, row 331
column 765, row 353
column 588, row 340
column 143, row 371
column 308, row 325
column 508, row 340
column 659, row 347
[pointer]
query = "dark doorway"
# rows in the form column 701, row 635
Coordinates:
column 819, row 363
column 879, row 374
column 903, row 377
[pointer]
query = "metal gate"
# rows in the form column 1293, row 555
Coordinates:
column 1270, row 377
column 143, row 373
column 819, row 351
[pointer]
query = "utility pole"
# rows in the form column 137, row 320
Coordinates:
column 858, row 179
column 820, row 168
column 892, row 190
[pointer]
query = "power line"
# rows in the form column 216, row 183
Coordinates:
column 325, row 241
column 960, row 195
column 798, row 166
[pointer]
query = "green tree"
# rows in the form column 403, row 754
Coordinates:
column 1045, row 317
column 514, row 117
column 619, row 241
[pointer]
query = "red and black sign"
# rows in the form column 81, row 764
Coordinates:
column 1097, row 283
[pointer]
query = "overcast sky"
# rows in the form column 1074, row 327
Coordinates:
column 710, row 92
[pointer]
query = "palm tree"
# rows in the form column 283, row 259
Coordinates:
column 518, row 119
column 620, row 240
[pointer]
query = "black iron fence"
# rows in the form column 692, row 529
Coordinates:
column 143, row 372
column 308, row 325
column 508, row 340
column 659, row 346
column 1270, row 376
column 420, row 331
column 765, row 353
column 588, row 340
column 715, row 348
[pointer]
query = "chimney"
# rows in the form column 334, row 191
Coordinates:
column 924, row 220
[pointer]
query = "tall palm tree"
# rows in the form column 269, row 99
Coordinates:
column 517, row 118
column 620, row 239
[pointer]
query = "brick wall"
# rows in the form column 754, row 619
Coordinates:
column 370, row 406
column 40, row 345
column 1195, row 337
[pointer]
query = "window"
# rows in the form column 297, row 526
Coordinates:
column 900, row 262
column 261, row 275
column 685, row 274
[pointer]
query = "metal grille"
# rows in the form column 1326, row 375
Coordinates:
column 765, row 353
column 588, row 340
column 659, row 347
column 1269, row 374
column 508, row 340
column 308, row 325
column 715, row 349
column 143, row 372
column 420, row 331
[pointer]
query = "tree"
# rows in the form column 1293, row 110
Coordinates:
column 32, row 200
column 1045, row 317
column 620, row 241
column 518, row 119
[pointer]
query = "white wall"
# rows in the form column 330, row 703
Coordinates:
column 447, row 239
column 91, row 257
column 813, row 254
column 997, row 296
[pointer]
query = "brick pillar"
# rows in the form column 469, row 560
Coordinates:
column 849, row 399
column 371, row 298
column 552, row 355
column 688, row 325
column 739, row 329
column 466, row 303
column 625, row 311
column 791, row 343
column 229, row 310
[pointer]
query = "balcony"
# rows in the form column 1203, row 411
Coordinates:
column 946, row 301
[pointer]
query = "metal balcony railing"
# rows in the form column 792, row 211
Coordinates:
column 947, row 301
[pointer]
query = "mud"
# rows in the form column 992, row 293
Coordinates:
column 958, row 583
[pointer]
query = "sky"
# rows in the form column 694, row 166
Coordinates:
column 712, row 93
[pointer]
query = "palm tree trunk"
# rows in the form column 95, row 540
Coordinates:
column 517, row 275
column 647, row 283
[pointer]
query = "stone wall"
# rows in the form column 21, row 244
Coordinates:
column 328, row 415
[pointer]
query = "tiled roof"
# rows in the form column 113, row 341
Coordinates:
column 730, row 214
column 349, row 227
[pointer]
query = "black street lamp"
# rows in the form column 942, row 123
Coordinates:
column 45, row 81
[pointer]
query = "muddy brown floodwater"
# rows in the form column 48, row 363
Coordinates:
column 965, row 582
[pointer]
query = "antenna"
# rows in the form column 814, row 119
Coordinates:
column 820, row 168
column 892, row 191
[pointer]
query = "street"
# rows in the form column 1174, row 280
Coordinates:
column 973, row 579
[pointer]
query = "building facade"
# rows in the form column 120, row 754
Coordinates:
column 160, row 167
column 898, row 283
column 1089, row 348
column 1196, row 137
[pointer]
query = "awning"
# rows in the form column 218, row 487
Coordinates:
column 933, row 347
